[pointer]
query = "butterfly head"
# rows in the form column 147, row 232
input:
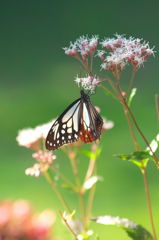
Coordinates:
column 85, row 96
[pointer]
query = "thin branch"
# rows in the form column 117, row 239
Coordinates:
column 157, row 106
column 72, row 159
column 123, row 101
column 69, row 227
column 59, row 195
column 131, row 80
column 149, row 203
column 64, row 178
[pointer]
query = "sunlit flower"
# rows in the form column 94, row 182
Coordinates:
column 88, row 83
column 30, row 137
column 120, row 51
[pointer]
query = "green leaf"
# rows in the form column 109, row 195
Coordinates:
column 92, row 155
column 139, row 158
column 134, row 231
column 131, row 96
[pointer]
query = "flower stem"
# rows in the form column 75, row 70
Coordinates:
column 59, row 195
column 149, row 202
column 123, row 101
column 69, row 227
column 157, row 106
column 127, row 111
column 131, row 79
column 73, row 162
column 63, row 178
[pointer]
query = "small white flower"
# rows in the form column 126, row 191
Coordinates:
column 154, row 147
column 88, row 83
column 110, row 220
column 34, row 171
column 107, row 124
column 91, row 181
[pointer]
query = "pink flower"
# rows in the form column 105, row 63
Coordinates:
column 121, row 51
column 18, row 221
column 82, row 47
column 45, row 160
column 44, row 157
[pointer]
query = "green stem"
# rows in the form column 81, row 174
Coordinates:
column 64, row 178
column 69, row 227
column 157, row 107
column 127, row 112
column 73, row 162
column 149, row 202
column 123, row 101
column 59, row 195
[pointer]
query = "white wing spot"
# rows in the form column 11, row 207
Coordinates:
column 63, row 137
column 64, row 126
column 69, row 123
column 69, row 130
column 58, row 135
column 47, row 141
column 62, row 131
column 58, row 141
column 50, row 144
column 69, row 136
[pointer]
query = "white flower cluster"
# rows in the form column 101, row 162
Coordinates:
column 29, row 136
column 121, row 51
column 88, row 83
column 83, row 46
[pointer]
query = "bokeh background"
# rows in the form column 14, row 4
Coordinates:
column 37, row 84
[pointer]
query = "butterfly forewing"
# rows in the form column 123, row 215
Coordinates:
column 65, row 129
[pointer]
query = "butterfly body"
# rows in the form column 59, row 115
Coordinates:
column 80, row 120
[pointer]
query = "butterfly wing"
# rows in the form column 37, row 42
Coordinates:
column 91, row 123
column 65, row 129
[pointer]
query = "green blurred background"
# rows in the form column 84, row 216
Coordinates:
column 37, row 84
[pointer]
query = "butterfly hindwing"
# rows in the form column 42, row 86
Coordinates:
column 65, row 128
column 91, row 123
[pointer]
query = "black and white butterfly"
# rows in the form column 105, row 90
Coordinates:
column 80, row 120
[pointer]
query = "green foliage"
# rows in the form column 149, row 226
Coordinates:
column 134, row 231
column 131, row 96
column 139, row 158
column 92, row 154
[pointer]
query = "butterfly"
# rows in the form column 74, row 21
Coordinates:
column 80, row 120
